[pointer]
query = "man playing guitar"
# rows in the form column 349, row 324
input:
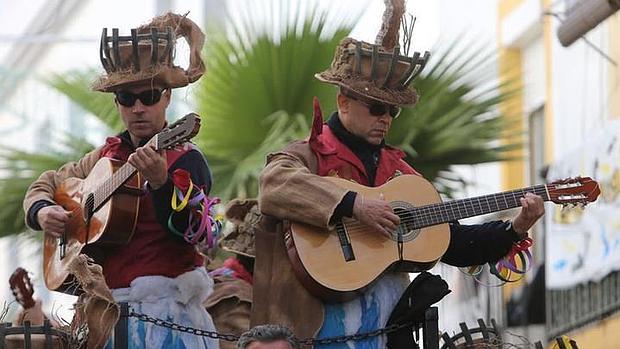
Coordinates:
column 351, row 145
column 158, row 271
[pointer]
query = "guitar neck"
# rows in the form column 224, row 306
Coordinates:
column 439, row 213
column 178, row 132
column 120, row 177
column 110, row 185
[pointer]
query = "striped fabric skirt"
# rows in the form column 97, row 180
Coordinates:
column 366, row 313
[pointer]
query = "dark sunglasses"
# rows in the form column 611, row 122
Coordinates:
column 380, row 109
column 148, row 97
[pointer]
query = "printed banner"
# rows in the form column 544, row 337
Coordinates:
column 584, row 245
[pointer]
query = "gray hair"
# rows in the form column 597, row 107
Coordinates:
column 268, row 333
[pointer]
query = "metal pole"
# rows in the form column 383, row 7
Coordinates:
column 121, row 337
column 431, row 328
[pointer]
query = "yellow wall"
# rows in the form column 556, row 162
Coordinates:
column 548, row 39
column 507, row 6
column 510, row 69
column 601, row 335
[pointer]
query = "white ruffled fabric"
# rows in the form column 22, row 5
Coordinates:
column 178, row 300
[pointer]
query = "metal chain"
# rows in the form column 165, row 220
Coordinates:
column 186, row 329
column 356, row 337
column 234, row 338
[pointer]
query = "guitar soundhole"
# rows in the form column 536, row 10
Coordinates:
column 405, row 229
column 89, row 207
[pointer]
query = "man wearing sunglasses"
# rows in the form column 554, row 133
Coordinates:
column 143, row 110
column 159, row 271
column 373, row 82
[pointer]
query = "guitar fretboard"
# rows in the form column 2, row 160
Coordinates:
column 439, row 213
column 178, row 132
column 110, row 185
column 106, row 189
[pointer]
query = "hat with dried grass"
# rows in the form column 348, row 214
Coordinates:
column 379, row 72
column 239, row 237
column 146, row 56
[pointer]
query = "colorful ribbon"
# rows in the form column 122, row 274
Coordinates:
column 515, row 264
column 510, row 268
column 200, row 222
column 184, row 199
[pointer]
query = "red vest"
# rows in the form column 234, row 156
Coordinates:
column 152, row 250
column 336, row 159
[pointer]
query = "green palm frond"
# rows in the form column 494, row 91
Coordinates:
column 20, row 168
column 240, row 179
column 257, row 96
column 258, row 92
column 255, row 75
column 455, row 122
column 76, row 85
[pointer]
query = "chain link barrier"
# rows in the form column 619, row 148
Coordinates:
column 233, row 338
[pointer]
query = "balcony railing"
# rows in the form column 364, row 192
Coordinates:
column 575, row 307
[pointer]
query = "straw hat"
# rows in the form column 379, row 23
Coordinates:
column 147, row 55
column 378, row 72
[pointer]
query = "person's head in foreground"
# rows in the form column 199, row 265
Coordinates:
column 268, row 337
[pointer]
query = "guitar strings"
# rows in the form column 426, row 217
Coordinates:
column 428, row 212
column 113, row 182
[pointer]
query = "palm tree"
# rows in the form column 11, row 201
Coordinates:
column 20, row 168
column 257, row 96
column 258, row 92
column 456, row 121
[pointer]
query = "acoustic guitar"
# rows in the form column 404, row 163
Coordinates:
column 45, row 333
column 22, row 289
column 104, row 205
column 339, row 262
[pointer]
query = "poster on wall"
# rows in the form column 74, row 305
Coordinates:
column 584, row 245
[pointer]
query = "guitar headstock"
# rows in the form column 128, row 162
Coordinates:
column 22, row 288
column 574, row 191
column 178, row 132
